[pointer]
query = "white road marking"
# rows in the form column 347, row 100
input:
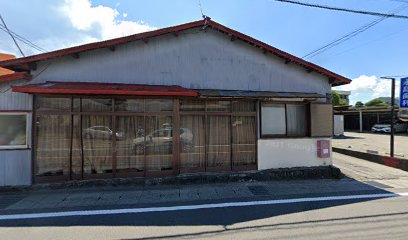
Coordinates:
column 194, row 207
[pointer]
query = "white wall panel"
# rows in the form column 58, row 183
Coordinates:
column 290, row 152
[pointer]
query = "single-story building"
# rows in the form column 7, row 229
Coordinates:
column 193, row 98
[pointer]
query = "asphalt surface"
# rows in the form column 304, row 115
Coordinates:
column 297, row 218
column 377, row 143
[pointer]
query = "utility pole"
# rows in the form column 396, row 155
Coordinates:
column 392, row 114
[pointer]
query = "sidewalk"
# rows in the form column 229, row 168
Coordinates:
column 361, row 180
column 149, row 196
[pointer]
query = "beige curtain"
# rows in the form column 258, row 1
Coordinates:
column 219, row 141
column 192, row 142
column 97, row 144
column 53, row 143
column 130, row 143
column 159, row 143
column 243, row 141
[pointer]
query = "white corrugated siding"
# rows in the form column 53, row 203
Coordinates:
column 15, row 165
column 10, row 100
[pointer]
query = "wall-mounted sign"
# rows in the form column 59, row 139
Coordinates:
column 404, row 93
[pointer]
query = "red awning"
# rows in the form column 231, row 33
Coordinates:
column 87, row 88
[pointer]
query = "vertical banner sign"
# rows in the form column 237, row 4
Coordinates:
column 404, row 93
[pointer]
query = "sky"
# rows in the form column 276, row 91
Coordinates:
column 379, row 51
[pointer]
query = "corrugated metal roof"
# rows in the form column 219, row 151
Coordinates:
column 256, row 94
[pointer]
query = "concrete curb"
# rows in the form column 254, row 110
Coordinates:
column 384, row 160
column 326, row 172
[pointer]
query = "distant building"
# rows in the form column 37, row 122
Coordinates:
column 344, row 95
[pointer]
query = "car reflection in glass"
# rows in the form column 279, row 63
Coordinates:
column 161, row 141
column 101, row 132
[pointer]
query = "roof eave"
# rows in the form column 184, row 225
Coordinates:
column 25, row 63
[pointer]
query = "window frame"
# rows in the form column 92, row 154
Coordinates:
column 27, row 131
column 286, row 135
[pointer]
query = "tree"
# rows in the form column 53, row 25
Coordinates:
column 337, row 101
column 376, row 102
column 359, row 104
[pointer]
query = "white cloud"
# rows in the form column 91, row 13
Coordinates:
column 365, row 88
column 361, row 82
column 85, row 17
column 383, row 88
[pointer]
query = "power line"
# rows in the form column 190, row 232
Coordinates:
column 378, row 14
column 350, row 35
column 11, row 35
column 24, row 40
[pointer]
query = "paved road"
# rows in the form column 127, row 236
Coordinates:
column 303, row 215
column 373, row 142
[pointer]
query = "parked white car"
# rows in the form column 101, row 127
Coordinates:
column 161, row 140
column 399, row 127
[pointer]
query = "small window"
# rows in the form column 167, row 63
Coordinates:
column 13, row 130
column 296, row 120
column 273, row 119
column 283, row 120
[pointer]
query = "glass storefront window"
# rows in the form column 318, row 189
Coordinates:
column 53, row 145
column 96, row 104
column 159, row 143
column 158, row 105
column 243, row 106
column 137, row 137
column 192, row 105
column 43, row 103
column 192, row 142
column 130, row 144
column 97, row 144
column 218, row 106
column 243, row 141
column 77, row 146
column 129, row 105
column 219, row 142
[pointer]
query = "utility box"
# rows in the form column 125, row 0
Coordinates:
column 323, row 148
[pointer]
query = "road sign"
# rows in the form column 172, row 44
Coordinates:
column 404, row 93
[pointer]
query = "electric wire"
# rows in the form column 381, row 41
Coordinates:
column 23, row 40
column 378, row 14
column 350, row 35
column 12, row 36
